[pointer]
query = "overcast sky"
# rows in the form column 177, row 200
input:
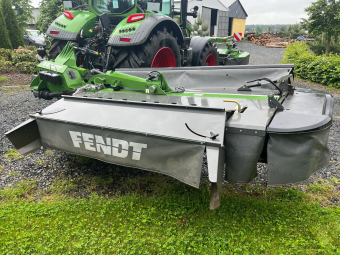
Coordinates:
column 275, row 11
column 269, row 11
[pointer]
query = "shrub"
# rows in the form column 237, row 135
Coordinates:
column 319, row 46
column 5, row 66
column 23, row 55
column 22, row 59
column 320, row 69
column 6, row 53
column 27, row 67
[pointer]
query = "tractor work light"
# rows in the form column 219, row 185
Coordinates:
column 68, row 14
column 124, row 39
column 135, row 17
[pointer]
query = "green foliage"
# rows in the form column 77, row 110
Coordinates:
column 175, row 221
column 50, row 10
column 15, row 34
column 319, row 46
column 27, row 67
column 295, row 51
column 322, row 16
column 3, row 79
column 13, row 154
column 258, row 31
column 6, row 53
column 24, row 55
column 18, row 191
column 23, row 10
column 320, row 69
column 22, row 59
column 198, row 28
column 282, row 29
column 5, row 66
column 5, row 42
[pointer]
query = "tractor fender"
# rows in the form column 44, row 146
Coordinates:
column 198, row 44
column 69, row 29
column 145, row 29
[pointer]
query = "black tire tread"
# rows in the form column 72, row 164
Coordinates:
column 136, row 55
column 209, row 48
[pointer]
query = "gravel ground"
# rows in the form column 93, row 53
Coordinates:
column 46, row 165
column 261, row 55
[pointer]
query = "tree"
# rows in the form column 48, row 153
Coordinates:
column 322, row 20
column 283, row 28
column 50, row 10
column 198, row 28
column 5, row 42
column 23, row 9
column 14, row 31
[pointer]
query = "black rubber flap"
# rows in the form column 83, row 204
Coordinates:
column 293, row 158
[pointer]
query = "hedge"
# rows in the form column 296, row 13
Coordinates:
column 23, row 60
column 320, row 69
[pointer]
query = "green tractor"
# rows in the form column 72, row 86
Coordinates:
column 111, row 34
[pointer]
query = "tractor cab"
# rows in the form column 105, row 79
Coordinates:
column 123, row 7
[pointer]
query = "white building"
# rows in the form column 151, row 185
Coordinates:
column 223, row 17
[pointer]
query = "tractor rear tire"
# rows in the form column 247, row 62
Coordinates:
column 56, row 48
column 160, row 50
column 209, row 56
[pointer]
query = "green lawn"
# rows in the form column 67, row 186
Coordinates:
column 170, row 218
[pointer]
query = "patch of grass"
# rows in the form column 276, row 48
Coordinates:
column 49, row 152
column 153, row 214
column 20, row 191
column 82, row 160
column 176, row 221
column 38, row 162
column 3, row 79
column 13, row 154
column 13, row 90
column 13, row 174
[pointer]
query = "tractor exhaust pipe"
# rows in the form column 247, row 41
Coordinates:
column 184, row 16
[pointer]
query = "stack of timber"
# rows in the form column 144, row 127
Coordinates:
column 271, row 41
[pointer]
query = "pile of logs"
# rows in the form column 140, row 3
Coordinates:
column 270, row 40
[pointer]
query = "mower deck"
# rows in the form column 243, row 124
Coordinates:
column 170, row 133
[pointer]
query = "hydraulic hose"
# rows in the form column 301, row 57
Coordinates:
column 47, row 95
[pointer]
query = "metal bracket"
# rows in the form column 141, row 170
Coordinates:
column 273, row 103
column 248, row 87
column 285, row 87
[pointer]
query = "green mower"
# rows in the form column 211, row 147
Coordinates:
column 163, row 119
column 114, row 34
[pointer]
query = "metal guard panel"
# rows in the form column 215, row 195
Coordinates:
column 180, row 160
column 165, row 121
column 304, row 111
column 25, row 137
column 62, row 35
column 143, row 31
column 220, row 79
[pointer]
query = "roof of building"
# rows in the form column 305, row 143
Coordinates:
column 227, row 3
column 234, row 6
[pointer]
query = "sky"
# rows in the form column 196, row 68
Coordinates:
column 268, row 11
column 275, row 11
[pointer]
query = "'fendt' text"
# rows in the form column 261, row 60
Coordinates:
column 114, row 147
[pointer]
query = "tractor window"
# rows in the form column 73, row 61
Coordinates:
column 163, row 6
column 114, row 6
